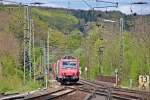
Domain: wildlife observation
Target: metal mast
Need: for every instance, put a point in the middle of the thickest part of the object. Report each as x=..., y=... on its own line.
x=33, y=49
x=100, y=49
x=30, y=45
x=121, y=44
x=45, y=59
x=27, y=42
x=48, y=63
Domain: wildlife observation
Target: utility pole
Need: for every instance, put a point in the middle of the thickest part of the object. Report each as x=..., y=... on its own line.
x=101, y=48
x=26, y=28
x=30, y=44
x=33, y=49
x=47, y=57
x=41, y=56
x=44, y=61
x=121, y=44
x=27, y=42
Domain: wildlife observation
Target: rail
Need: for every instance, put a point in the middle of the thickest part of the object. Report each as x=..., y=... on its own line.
x=96, y=88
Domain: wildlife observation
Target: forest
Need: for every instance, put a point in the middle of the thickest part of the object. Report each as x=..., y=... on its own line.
x=80, y=33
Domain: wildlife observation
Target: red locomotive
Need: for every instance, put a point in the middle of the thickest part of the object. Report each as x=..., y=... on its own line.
x=66, y=70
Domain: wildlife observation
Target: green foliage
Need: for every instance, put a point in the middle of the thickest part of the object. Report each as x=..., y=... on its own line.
x=57, y=42
x=74, y=40
x=11, y=83
x=89, y=54
x=16, y=24
x=2, y=7
x=9, y=66
x=57, y=39
x=111, y=56
x=59, y=19
x=30, y=86
x=66, y=38
x=135, y=53
x=78, y=52
x=11, y=75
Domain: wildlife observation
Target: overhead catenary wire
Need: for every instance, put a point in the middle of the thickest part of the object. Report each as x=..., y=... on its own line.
x=107, y=2
x=105, y=7
x=87, y=4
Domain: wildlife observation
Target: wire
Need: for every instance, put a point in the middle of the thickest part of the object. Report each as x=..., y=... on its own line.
x=84, y=1
x=105, y=7
x=37, y=3
x=139, y=3
x=87, y=4
x=106, y=1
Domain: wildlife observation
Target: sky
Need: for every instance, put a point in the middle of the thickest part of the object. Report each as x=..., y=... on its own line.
x=80, y=4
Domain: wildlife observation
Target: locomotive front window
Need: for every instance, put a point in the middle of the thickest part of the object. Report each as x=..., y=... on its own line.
x=68, y=64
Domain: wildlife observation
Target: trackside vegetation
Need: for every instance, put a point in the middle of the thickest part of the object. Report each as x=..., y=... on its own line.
x=72, y=34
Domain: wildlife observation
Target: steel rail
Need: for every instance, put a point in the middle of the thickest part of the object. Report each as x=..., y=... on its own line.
x=51, y=95
x=14, y=97
x=120, y=93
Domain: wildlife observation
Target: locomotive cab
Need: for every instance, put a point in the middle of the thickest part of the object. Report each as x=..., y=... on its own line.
x=67, y=70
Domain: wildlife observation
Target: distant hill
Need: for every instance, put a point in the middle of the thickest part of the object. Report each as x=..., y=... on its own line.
x=134, y=23
x=77, y=32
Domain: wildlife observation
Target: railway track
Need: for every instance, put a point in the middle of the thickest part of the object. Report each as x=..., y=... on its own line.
x=86, y=89
x=13, y=97
x=51, y=95
x=41, y=95
x=110, y=92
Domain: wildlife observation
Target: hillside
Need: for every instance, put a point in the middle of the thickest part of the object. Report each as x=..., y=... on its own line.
x=11, y=41
x=76, y=32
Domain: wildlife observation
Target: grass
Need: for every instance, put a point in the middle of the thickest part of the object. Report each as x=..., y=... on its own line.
x=11, y=77
x=15, y=84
